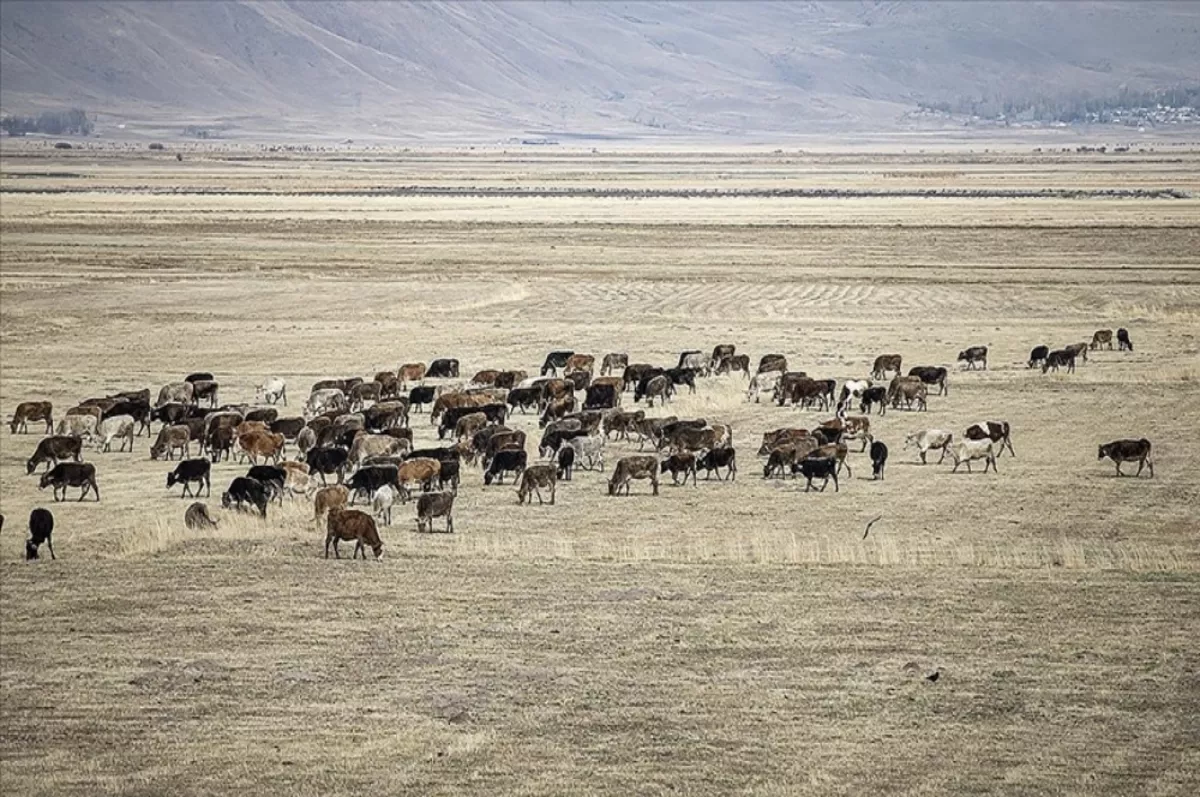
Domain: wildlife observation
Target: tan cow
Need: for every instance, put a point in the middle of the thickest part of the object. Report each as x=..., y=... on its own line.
x=267, y=445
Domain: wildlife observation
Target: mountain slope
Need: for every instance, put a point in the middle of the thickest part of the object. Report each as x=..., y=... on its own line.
x=487, y=68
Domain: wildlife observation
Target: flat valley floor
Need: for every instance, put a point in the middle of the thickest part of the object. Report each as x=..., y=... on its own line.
x=735, y=637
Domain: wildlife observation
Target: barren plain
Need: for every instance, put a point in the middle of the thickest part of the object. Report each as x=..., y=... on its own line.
x=735, y=637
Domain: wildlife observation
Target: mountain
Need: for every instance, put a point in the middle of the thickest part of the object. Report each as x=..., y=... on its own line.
x=485, y=69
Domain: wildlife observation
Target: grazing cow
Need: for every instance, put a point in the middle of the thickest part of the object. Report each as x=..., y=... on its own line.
x=469, y=424
x=77, y=426
x=872, y=396
x=435, y=505
x=118, y=427
x=272, y=390
x=172, y=439
x=327, y=498
x=443, y=368
x=244, y=490
x=196, y=517
x=1128, y=451
x=780, y=437
x=366, y=481
x=879, y=455
x=772, y=362
x=261, y=444
x=932, y=375
x=510, y=379
x=633, y=375
x=910, y=390
x=767, y=382
x=412, y=372
x=1123, y=341
x=659, y=387
x=422, y=395
x=684, y=438
x=801, y=390
x=1103, y=337
x=372, y=445
x=612, y=361
x=508, y=461
x=1038, y=355
x=533, y=479
x=327, y=459
x=566, y=462
x=52, y=450
x=177, y=392
x=556, y=360
x=825, y=468
x=1079, y=350
x=306, y=440
x=41, y=526
x=1059, y=358
x=996, y=431
x=191, y=470
x=970, y=450
x=386, y=415
x=580, y=362
x=720, y=355
x=975, y=355
x=786, y=456
x=682, y=376
x=389, y=384
x=32, y=411
x=382, y=502
x=352, y=524
x=71, y=474
x=360, y=394
x=717, y=458
x=484, y=378
x=524, y=398
x=589, y=451
x=738, y=362
x=929, y=440
x=266, y=415
x=680, y=463
x=601, y=397
x=622, y=423
x=630, y=468
x=326, y=400
x=885, y=363
x=695, y=360
x=205, y=389
x=421, y=471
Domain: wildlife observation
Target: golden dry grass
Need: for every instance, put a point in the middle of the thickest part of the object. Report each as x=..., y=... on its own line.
x=736, y=637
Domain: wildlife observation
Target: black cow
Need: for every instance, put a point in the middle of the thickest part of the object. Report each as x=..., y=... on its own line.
x=41, y=524
x=973, y=356
x=677, y=464
x=1129, y=451
x=138, y=409
x=818, y=468
x=634, y=374
x=327, y=459
x=879, y=455
x=552, y=439
x=872, y=396
x=366, y=481
x=267, y=415
x=1038, y=356
x=199, y=376
x=448, y=475
x=566, y=463
x=600, y=397
x=1058, y=359
x=244, y=490
x=932, y=375
x=683, y=376
x=191, y=470
x=71, y=474
x=716, y=459
x=507, y=461
x=288, y=427
x=421, y=395
x=440, y=453
x=271, y=476
x=526, y=397
x=556, y=360
x=1123, y=341
x=443, y=368
x=173, y=413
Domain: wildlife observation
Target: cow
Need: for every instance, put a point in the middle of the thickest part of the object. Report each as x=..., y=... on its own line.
x=484, y=378
x=71, y=474
x=191, y=470
x=910, y=390
x=533, y=479
x=267, y=415
x=244, y=490
x=879, y=455
x=1079, y=350
x=633, y=467
x=220, y=441
x=270, y=476
x=738, y=362
x=695, y=360
x=382, y=502
x=414, y=372
x=772, y=362
x=780, y=437
x=118, y=427
x=52, y=450
x=352, y=524
x=589, y=451
x=1037, y=356
x=448, y=474
x=566, y=463
x=435, y=505
x=680, y=463
x=199, y=376
x=556, y=360
x=328, y=498
x=1102, y=337
x=524, y=397
x=1123, y=341
x=689, y=439
x=172, y=439
x=682, y=376
x=612, y=361
x=261, y=444
x=77, y=426
x=306, y=440
x=41, y=527
x=853, y=389
x=327, y=459
x=178, y=392
x=800, y=390
x=205, y=389
x=389, y=384
x=449, y=401
x=970, y=450
x=877, y=394
x=360, y=394
x=634, y=374
x=885, y=363
x=835, y=451
x=973, y=356
x=717, y=458
x=720, y=355
x=601, y=397
x=1059, y=358
x=32, y=411
x=825, y=468
x=272, y=390
x=366, y=481
x=422, y=395
x=326, y=400
x=467, y=425
x=928, y=440
x=93, y=411
x=857, y=427
x=620, y=422
x=386, y=415
x=766, y=382
x=659, y=387
x=932, y=375
x=372, y=445
x=420, y=470
x=580, y=362
x=508, y=461
x=786, y=456
x=1128, y=451
x=996, y=431
x=196, y=517
x=510, y=379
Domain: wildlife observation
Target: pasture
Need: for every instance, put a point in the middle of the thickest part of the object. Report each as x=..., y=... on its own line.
x=735, y=637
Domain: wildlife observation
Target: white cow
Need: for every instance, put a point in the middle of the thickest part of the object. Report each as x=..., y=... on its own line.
x=180, y=392
x=117, y=427
x=589, y=451
x=77, y=426
x=382, y=502
x=272, y=390
x=968, y=450
x=765, y=382
x=376, y=445
x=928, y=440
x=326, y=400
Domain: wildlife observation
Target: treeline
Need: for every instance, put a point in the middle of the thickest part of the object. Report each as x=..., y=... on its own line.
x=54, y=123
x=1074, y=107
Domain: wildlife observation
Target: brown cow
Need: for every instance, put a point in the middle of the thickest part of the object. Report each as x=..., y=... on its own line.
x=780, y=437
x=612, y=362
x=261, y=444
x=435, y=505
x=352, y=524
x=327, y=498
x=486, y=377
x=418, y=470
x=53, y=450
x=885, y=363
x=580, y=362
x=772, y=362
x=535, y=477
x=170, y=439
x=32, y=411
x=510, y=379
x=411, y=372
x=448, y=400
x=1103, y=337
x=389, y=385
x=630, y=468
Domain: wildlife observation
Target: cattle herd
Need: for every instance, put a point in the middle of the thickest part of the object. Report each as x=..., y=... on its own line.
x=359, y=433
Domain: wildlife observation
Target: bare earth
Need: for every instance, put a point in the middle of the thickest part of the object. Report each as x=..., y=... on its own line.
x=732, y=638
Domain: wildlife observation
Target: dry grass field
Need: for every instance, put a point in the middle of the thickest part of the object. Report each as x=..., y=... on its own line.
x=730, y=638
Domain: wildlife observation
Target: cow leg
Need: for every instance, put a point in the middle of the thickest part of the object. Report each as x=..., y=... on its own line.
x=186, y=491
x=207, y=487
x=1141, y=462
x=336, y=554
x=845, y=462
x=1118, y=467
x=835, y=482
